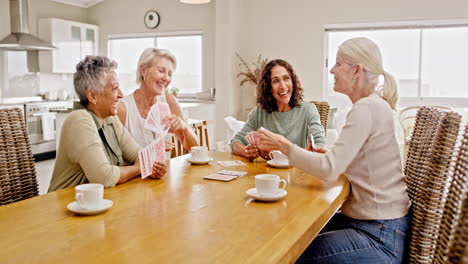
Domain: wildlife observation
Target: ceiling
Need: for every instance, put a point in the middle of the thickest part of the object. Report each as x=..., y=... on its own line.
x=79, y=3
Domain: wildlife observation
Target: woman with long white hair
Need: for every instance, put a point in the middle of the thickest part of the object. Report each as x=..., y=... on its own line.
x=373, y=222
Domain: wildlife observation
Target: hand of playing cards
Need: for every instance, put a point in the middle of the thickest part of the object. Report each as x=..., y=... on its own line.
x=147, y=156
x=253, y=137
x=155, y=119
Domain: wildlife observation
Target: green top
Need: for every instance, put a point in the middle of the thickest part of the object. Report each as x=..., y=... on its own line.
x=91, y=151
x=296, y=125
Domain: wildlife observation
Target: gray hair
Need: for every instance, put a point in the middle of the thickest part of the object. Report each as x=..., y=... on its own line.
x=147, y=57
x=91, y=75
x=365, y=52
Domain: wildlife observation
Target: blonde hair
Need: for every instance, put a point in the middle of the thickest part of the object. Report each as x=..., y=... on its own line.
x=365, y=52
x=147, y=57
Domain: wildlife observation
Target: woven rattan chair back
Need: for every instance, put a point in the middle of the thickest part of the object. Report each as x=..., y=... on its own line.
x=452, y=245
x=421, y=149
x=17, y=169
x=428, y=184
x=323, y=108
x=407, y=117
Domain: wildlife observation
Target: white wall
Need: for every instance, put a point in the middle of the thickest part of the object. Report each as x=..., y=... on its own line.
x=228, y=92
x=126, y=17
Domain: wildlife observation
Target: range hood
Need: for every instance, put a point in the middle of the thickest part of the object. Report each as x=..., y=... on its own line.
x=20, y=39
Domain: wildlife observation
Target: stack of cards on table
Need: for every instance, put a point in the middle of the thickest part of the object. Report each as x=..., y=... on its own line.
x=228, y=163
x=147, y=156
x=252, y=137
x=154, y=121
x=225, y=175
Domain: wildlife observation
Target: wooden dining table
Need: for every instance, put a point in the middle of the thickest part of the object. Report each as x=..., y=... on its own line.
x=181, y=218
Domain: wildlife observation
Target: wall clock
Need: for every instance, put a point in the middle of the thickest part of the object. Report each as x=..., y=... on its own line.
x=152, y=19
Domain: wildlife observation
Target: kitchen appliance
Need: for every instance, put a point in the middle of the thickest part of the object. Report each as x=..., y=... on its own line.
x=36, y=114
x=19, y=38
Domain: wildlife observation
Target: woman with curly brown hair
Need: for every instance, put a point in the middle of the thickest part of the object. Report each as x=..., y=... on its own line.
x=280, y=109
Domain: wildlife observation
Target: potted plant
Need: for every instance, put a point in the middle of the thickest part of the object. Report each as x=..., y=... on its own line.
x=251, y=74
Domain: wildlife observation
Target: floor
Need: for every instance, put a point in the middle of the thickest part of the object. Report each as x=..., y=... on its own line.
x=44, y=174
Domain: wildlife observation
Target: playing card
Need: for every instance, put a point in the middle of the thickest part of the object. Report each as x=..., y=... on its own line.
x=219, y=177
x=148, y=155
x=232, y=173
x=249, y=139
x=151, y=122
x=312, y=141
x=255, y=137
x=164, y=111
x=231, y=163
x=156, y=116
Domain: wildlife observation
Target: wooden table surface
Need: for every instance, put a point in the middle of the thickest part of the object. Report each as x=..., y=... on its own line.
x=181, y=218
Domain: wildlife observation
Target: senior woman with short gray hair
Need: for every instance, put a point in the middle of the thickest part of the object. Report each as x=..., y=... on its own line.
x=94, y=145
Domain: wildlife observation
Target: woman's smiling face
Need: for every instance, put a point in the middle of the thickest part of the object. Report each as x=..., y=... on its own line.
x=281, y=85
x=108, y=100
x=159, y=75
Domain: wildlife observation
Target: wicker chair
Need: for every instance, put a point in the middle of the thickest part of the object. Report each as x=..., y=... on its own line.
x=17, y=169
x=452, y=245
x=428, y=175
x=407, y=117
x=323, y=108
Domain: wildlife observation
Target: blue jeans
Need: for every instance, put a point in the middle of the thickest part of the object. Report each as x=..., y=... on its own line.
x=347, y=240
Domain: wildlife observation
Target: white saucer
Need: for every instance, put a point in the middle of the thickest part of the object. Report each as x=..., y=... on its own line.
x=77, y=209
x=199, y=162
x=253, y=192
x=277, y=164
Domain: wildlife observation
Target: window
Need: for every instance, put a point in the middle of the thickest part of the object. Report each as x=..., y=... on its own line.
x=187, y=48
x=428, y=60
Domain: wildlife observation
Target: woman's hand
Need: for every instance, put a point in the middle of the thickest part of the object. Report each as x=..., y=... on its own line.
x=270, y=141
x=159, y=170
x=168, y=146
x=316, y=149
x=264, y=154
x=174, y=124
x=251, y=152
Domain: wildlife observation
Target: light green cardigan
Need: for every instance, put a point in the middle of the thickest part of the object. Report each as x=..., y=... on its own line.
x=296, y=125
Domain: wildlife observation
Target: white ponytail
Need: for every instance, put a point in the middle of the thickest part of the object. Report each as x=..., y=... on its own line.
x=389, y=91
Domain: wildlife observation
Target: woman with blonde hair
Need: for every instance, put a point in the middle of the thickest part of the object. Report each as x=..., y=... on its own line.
x=373, y=222
x=154, y=74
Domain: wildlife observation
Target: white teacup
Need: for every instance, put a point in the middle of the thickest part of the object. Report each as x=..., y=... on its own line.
x=269, y=184
x=89, y=195
x=278, y=157
x=199, y=153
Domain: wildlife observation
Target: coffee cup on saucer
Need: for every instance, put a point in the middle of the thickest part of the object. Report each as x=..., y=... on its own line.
x=269, y=184
x=89, y=196
x=199, y=153
x=278, y=157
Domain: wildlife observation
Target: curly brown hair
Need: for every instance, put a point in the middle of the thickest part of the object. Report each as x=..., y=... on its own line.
x=264, y=90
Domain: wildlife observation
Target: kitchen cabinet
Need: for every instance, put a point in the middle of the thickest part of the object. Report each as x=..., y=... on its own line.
x=73, y=40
